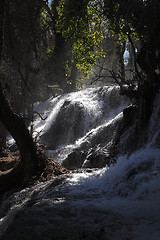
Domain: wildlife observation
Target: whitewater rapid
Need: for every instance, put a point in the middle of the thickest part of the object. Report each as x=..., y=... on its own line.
x=116, y=202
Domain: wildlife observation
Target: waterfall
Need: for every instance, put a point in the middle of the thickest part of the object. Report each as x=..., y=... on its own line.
x=79, y=120
x=71, y=116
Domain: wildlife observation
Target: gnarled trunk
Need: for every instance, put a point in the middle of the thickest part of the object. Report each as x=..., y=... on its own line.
x=29, y=158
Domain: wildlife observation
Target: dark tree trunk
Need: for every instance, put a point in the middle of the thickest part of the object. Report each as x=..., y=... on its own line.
x=149, y=85
x=2, y=10
x=3, y=135
x=62, y=54
x=120, y=53
x=30, y=164
x=59, y=61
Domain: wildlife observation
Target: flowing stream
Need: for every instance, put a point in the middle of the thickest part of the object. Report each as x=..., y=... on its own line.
x=116, y=202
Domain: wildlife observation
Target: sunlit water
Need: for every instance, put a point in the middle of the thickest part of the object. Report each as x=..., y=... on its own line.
x=120, y=202
x=62, y=131
x=72, y=116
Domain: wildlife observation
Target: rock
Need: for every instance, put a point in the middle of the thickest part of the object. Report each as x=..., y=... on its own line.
x=94, y=151
x=129, y=115
x=97, y=158
x=68, y=126
x=74, y=160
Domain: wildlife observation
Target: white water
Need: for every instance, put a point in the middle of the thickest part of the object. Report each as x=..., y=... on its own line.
x=63, y=131
x=120, y=202
x=72, y=116
x=62, y=152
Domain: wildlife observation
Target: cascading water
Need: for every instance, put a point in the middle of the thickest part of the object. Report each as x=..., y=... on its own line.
x=79, y=120
x=71, y=116
x=116, y=202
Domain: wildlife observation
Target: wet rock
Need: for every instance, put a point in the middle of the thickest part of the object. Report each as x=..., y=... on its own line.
x=68, y=126
x=74, y=160
x=129, y=115
x=97, y=158
x=96, y=149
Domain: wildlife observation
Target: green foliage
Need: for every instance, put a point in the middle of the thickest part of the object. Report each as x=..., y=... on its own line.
x=68, y=71
x=80, y=83
x=50, y=52
x=121, y=18
x=80, y=23
x=138, y=20
x=43, y=18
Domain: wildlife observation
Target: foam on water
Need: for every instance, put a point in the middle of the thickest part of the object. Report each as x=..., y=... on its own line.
x=136, y=177
x=124, y=197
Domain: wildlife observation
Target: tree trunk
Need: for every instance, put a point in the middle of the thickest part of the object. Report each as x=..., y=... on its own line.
x=150, y=85
x=16, y=126
x=120, y=52
x=3, y=135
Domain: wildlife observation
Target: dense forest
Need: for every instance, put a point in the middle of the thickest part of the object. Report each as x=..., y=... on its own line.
x=52, y=48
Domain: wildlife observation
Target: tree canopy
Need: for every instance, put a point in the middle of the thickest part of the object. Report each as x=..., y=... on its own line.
x=80, y=22
x=138, y=20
